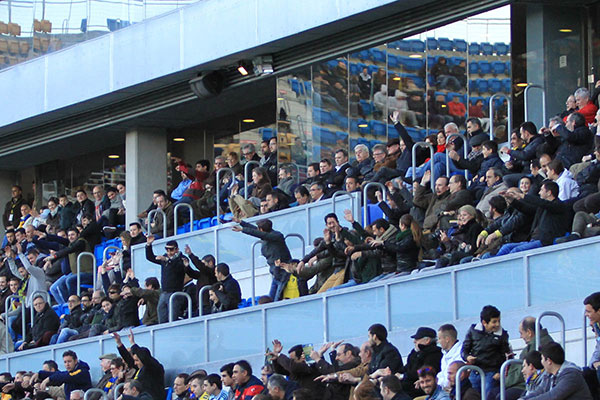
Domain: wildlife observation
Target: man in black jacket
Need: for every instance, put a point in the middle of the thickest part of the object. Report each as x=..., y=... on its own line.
x=84, y=206
x=425, y=353
x=229, y=292
x=150, y=372
x=343, y=358
x=204, y=273
x=385, y=354
x=45, y=324
x=172, y=271
x=12, y=209
x=71, y=322
x=552, y=217
x=273, y=247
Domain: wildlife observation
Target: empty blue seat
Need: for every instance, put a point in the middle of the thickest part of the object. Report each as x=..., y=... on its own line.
x=482, y=85
x=354, y=69
x=474, y=48
x=377, y=55
x=460, y=45
x=495, y=85
x=363, y=141
x=354, y=125
x=342, y=121
x=431, y=43
x=501, y=48
x=455, y=60
x=508, y=68
x=363, y=126
x=445, y=44
x=297, y=87
x=473, y=67
x=484, y=67
x=377, y=128
x=418, y=80
x=473, y=85
x=331, y=64
x=411, y=64
x=363, y=54
x=451, y=95
x=417, y=45
x=373, y=213
x=414, y=133
x=267, y=133
x=308, y=87
x=322, y=116
x=353, y=143
x=487, y=49
x=392, y=61
x=372, y=69
x=498, y=67
x=366, y=107
x=404, y=45
x=392, y=132
x=341, y=136
x=373, y=143
x=506, y=85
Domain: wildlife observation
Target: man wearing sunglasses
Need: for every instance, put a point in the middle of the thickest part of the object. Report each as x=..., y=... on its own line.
x=172, y=274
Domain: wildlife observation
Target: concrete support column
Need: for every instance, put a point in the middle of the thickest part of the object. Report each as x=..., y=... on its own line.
x=146, y=167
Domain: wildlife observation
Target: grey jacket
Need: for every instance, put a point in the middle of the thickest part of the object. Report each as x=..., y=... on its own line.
x=567, y=384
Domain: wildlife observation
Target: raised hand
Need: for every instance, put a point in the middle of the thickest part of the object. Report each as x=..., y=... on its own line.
x=348, y=216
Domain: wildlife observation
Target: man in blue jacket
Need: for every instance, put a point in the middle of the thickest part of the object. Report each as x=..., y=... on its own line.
x=76, y=376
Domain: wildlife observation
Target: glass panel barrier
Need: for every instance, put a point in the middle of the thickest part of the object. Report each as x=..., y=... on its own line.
x=408, y=308
x=169, y=349
x=235, y=335
x=296, y=323
x=491, y=283
x=348, y=314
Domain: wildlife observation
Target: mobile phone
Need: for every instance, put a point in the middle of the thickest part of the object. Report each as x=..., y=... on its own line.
x=307, y=349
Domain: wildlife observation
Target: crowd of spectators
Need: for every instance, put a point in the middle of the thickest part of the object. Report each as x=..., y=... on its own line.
x=375, y=369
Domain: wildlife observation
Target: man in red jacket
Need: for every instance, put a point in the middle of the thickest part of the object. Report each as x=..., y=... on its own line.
x=584, y=105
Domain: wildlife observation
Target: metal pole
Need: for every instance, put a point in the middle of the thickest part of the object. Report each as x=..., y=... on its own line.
x=299, y=236
x=538, y=325
x=469, y=368
x=178, y=294
x=116, y=391
x=246, y=169
x=189, y=207
x=79, y=257
x=508, y=116
x=6, y=302
x=503, y=368
x=342, y=193
x=164, y=216
x=526, y=96
x=35, y=294
x=465, y=153
x=218, y=201
x=95, y=390
x=384, y=194
x=254, y=272
x=201, y=298
x=105, y=253
x=414, y=161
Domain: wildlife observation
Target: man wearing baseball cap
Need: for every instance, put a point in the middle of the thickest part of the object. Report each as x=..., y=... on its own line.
x=426, y=352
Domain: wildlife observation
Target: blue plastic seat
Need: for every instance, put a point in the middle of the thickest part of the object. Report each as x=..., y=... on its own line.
x=498, y=67
x=473, y=67
x=341, y=136
x=404, y=45
x=487, y=49
x=372, y=69
x=392, y=61
x=495, y=85
x=373, y=143
x=373, y=213
x=297, y=87
x=363, y=54
x=474, y=48
x=473, y=86
x=501, y=48
x=377, y=128
x=508, y=69
x=366, y=106
x=459, y=45
x=445, y=44
x=431, y=43
x=308, y=87
x=354, y=69
x=377, y=55
x=392, y=132
x=417, y=46
x=482, y=84
x=506, y=85
x=484, y=67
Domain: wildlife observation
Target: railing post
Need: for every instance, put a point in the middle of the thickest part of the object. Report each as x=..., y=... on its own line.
x=201, y=298
x=105, y=252
x=254, y=272
x=465, y=154
x=6, y=303
x=189, y=207
x=116, y=390
x=299, y=236
x=469, y=368
x=246, y=170
x=342, y=193
x=179, y=294
x=35, y=294
x=526, y=99
x=383, y=193
x=414, y=161
x=95, y=390
x=217, y=184
x=164, y=216
x=503, y=368
x=94, y=272
x=538, y=324
x=508, y=116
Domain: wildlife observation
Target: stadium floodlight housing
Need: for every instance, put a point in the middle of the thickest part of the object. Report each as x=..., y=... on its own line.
x=208, y=84
x=263, y=65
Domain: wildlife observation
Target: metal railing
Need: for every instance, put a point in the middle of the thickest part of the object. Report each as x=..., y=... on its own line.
x=189, y=207
x=538, y=327
x=526, y=100
x=23, y=318
x=338, y=194
x=164, y=217
x=91, y=391
x=79, y=257
x=469, y=368
x=116, y=390
x=465, y=154
x=179, y=294
x=35, y=294
x=508, y=112
x=246, y=170
x=201, y=299
x=254, y=271
x=105, y=253
x=503, y=372
x=414, y=161
x=299, y=236
x=584, y=339
x=365, y=208
x=218, y=192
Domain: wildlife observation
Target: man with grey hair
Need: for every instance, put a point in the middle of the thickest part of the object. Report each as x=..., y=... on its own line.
x=280, y=388
x=584, y=105
x=363, y=166
x=574, y=139
x=77, y=395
